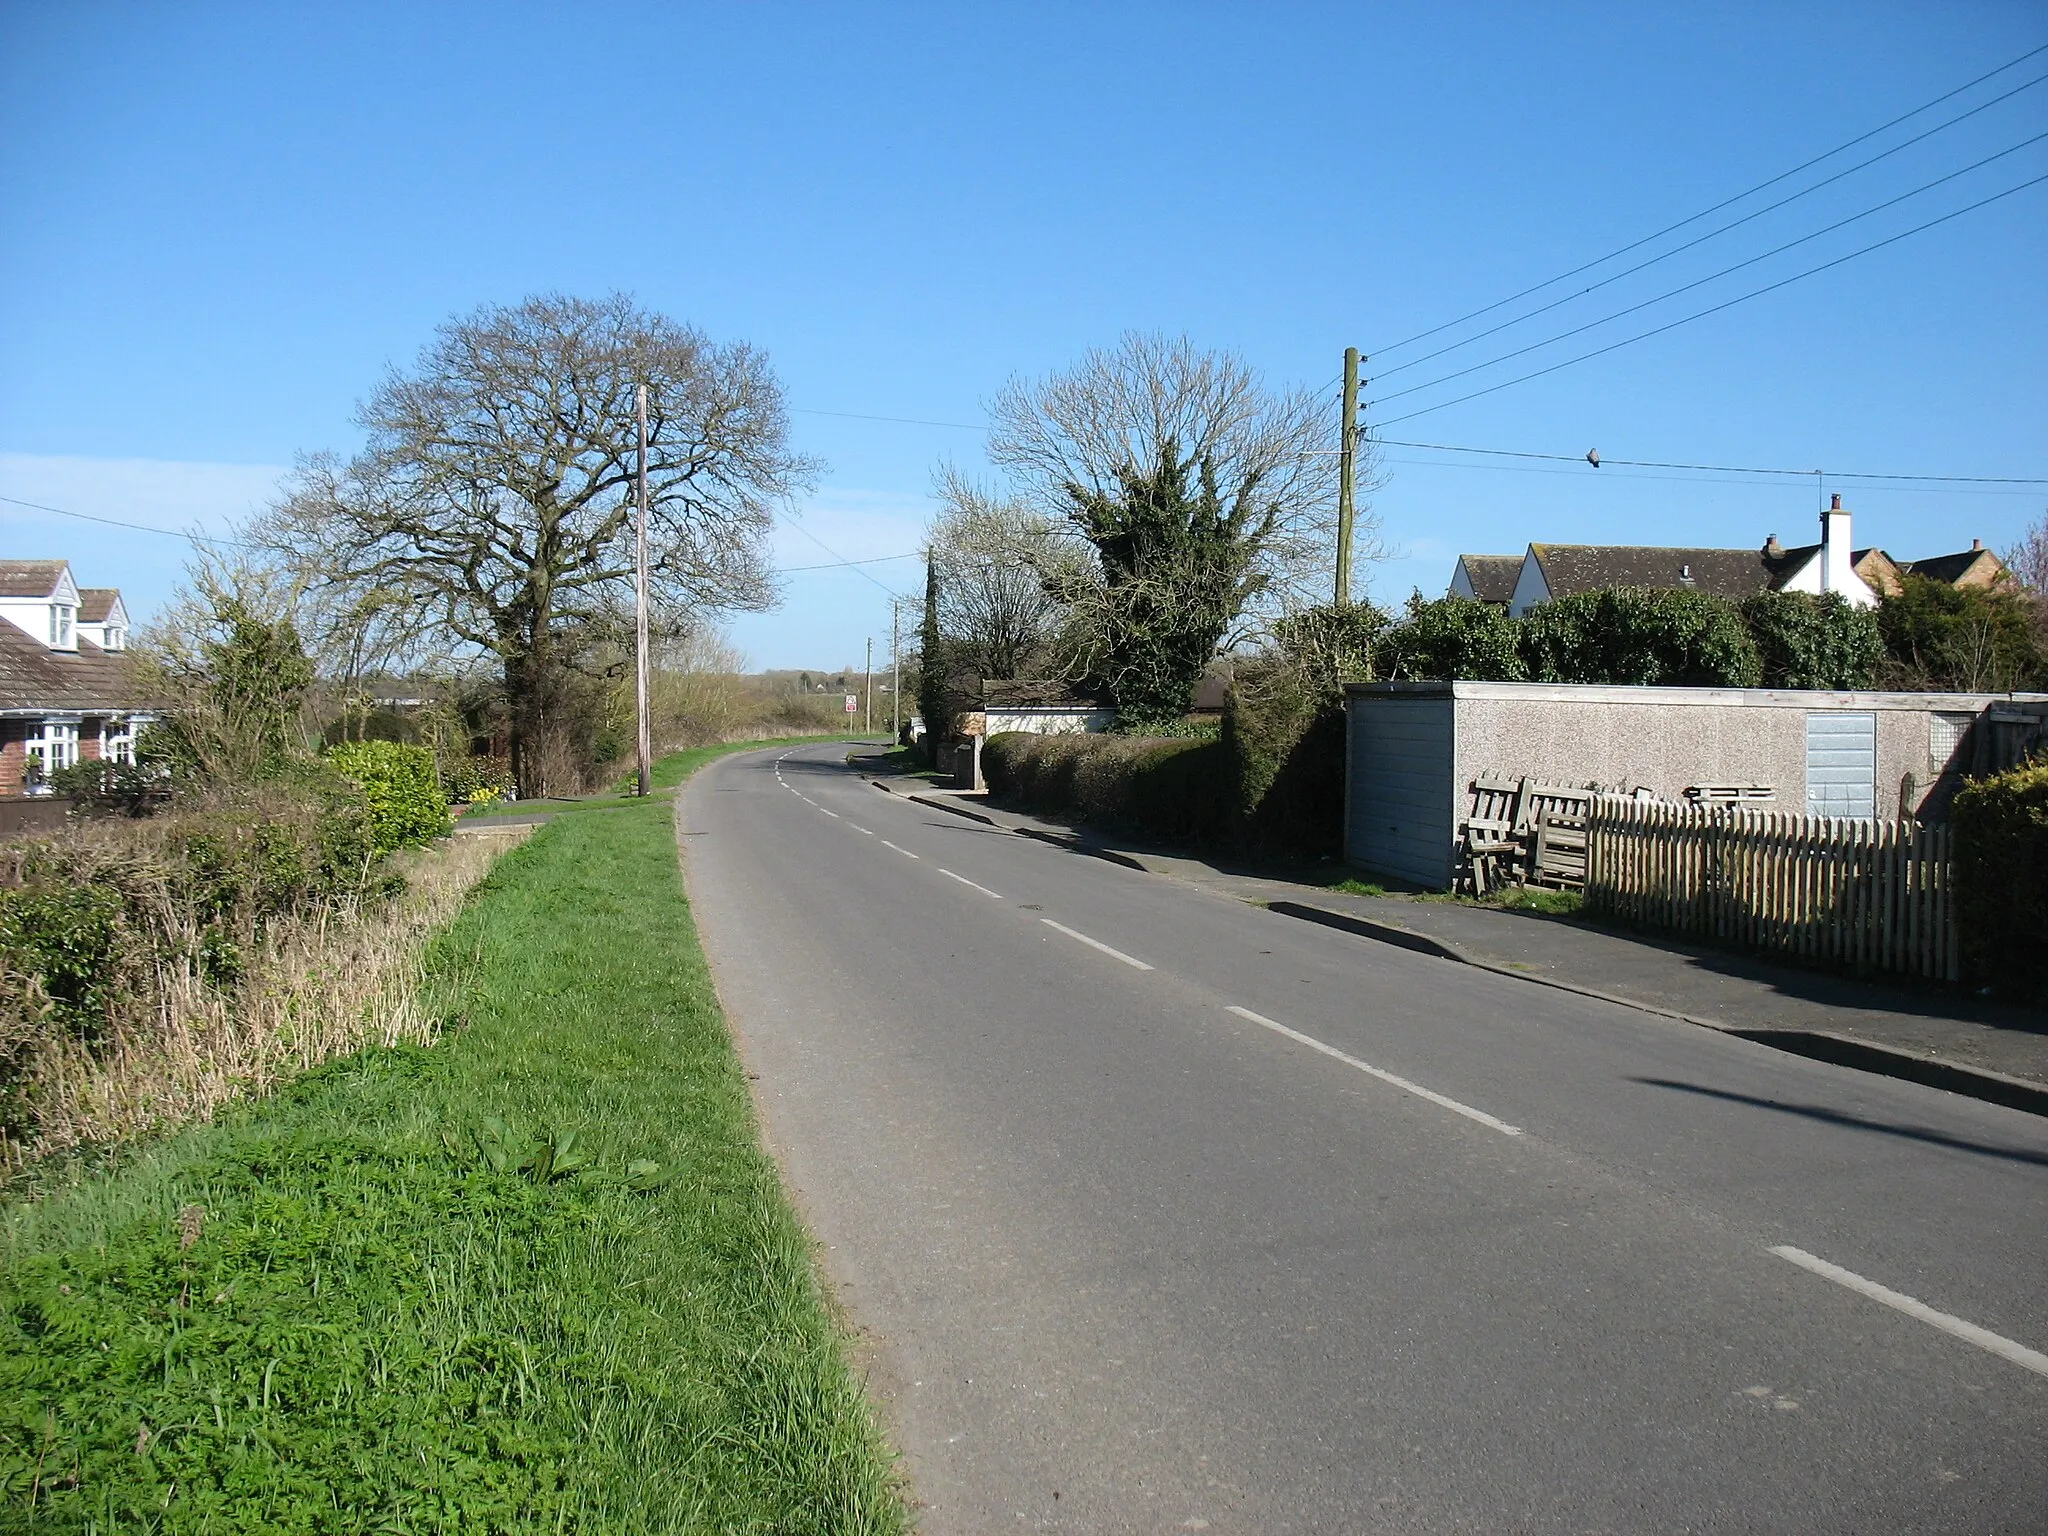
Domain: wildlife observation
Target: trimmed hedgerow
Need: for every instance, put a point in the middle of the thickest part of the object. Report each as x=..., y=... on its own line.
x=1644, y=636
x=2001, y=874
x=1174, y=789
x=401, y=786
x=1813, y=640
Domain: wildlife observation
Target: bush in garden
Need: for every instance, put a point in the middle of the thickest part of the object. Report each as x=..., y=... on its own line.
x=1448, y=638
x=1173, y=789
x=401, y=789
x=2001, y=875
x=1968, y=639
x=1646, y=636
x=1809, y=640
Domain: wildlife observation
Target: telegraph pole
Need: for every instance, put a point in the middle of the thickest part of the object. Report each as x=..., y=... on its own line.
x=1347, y=476
x=895, y=669
x=867, y=689
x=640, y=614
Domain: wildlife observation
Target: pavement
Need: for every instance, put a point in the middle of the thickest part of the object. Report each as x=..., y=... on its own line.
x=1158, y=1210
x=1943, y=1036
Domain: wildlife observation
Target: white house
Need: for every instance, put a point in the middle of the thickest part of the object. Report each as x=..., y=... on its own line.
x=68, y=691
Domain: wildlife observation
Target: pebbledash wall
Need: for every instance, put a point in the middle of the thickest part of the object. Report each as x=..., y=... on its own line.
x=1413, y=750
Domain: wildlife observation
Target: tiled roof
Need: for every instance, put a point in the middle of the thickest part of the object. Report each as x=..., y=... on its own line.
x=30, y=578
x=1953, y=568
x=34, y=677
x=1573, y=568
x=1492, y=576
x=95, y=603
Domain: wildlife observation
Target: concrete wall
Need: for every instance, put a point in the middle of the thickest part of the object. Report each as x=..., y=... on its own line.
x=1415, y=748
x=1048, y=722
x=1668, y=738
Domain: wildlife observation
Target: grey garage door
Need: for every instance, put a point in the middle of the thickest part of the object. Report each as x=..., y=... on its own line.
x=1401, y=798
x=1841, y=764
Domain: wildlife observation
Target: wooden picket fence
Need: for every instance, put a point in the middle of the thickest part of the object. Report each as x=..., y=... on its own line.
x=1876, y=895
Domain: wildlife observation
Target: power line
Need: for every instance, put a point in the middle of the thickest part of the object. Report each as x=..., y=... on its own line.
x=1716, y=208
x=115, y=522
x=1713, y=310
x=1544, y=309
x=833, y=565
x=854, y=565
x=908, y=421
x=1673, y=293
x=1730, y=469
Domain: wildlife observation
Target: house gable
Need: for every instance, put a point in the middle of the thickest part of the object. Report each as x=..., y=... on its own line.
x=1486, y=578
x=39, y=598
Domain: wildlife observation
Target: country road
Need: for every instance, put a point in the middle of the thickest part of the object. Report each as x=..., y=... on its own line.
x=1160, y=1212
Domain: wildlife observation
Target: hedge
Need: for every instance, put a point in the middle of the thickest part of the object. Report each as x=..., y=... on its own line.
x=401, y=787
x=1172, y=789
x=2001, y=875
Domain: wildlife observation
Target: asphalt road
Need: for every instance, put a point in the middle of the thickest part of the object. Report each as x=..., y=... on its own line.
x=1163, y=1213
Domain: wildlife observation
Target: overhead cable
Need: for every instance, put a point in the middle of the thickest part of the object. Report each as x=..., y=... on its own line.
x=1729, y=202
x=1673, y=325
x=1544, y=309
x=1701, y=282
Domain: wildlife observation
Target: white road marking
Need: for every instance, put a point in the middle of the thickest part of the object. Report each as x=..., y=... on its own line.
x=1386, y=1077
x=1115, y=954
x=863, y=831
x=965, y=881
x=1983, y=1338
x=833, y=814
x=904, y=851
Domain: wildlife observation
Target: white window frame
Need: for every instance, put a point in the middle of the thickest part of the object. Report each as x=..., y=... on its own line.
x=117, y=740
x=63, y=626
x=55, y=746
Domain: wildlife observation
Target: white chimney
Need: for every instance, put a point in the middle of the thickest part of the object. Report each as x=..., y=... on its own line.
x=1837, y=557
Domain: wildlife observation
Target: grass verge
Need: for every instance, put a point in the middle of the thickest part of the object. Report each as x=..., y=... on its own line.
x=396, y=1297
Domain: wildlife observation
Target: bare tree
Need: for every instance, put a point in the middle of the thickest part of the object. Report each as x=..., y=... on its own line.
x=493, y=503
x=1207, y=498
x=2028, y=559
x=995, y=562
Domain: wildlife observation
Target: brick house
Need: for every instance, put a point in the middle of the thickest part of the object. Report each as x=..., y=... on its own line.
x=68, y=689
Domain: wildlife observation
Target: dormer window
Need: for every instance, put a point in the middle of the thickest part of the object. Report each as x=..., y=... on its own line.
x=117, y=638
x=61, y=617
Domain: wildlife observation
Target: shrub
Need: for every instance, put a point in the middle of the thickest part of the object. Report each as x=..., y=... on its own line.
x=1451, y=637
x=1171, y=789
x=1283, y=735
x=1808, y=640
x=1331, y=646
x=1965, y=638
x=1643, y=636
x=475, y=780
x=2001, y=874
x=401, y=790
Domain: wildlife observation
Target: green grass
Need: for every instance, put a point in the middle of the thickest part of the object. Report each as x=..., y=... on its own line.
x=376, y=1328
x=1356, y=887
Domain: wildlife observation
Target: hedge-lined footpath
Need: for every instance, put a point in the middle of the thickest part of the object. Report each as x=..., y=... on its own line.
x=377, y=1302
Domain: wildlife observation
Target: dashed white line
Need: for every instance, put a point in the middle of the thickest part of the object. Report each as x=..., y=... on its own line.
x=1371, y=1071
x=833, y=814
x=965, y=881
x=863, y=831
x=1983, y=1338
x=904, y=851
x=1115, y=954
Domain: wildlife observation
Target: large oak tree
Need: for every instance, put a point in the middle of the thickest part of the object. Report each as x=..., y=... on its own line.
x=493, y=500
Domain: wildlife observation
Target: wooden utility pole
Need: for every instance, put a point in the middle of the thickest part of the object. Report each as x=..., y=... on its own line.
x=1347, y=476
x=895, y=669
x=640, y=612
x=867, y=690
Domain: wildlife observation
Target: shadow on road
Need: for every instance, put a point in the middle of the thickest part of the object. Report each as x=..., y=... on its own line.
x=1836, y=1117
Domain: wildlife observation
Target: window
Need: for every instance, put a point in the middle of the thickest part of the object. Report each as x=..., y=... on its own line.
x=56, y=746
x=61, y=615
x=117, y=638
x=117, y=740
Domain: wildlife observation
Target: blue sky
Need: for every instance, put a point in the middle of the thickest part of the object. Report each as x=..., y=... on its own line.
x=222, y=223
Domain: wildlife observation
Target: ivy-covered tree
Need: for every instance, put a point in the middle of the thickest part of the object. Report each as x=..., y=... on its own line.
x=1449, y=638
x=1176, y=569
x=1640, y=635
x=1809, y=640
